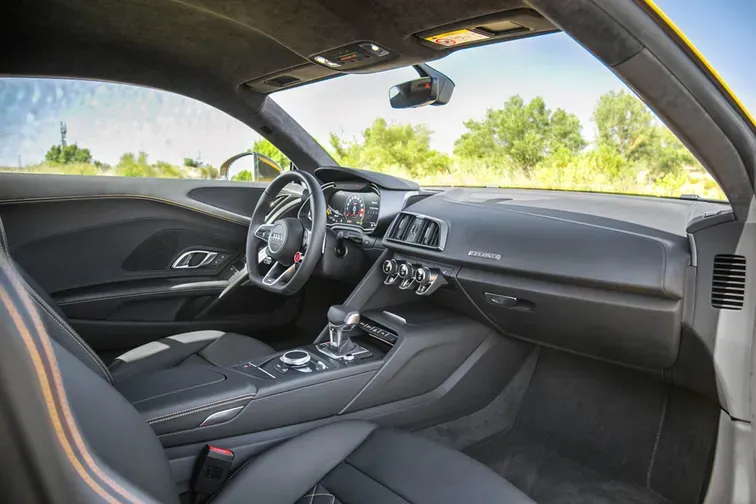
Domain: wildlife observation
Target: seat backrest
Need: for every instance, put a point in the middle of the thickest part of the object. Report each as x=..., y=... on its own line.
x=57, y=326
x=79, y=439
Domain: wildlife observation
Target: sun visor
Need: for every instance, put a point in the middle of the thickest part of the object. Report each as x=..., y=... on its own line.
x=497, y=27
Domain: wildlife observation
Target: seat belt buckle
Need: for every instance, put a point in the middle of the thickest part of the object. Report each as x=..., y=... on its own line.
x=212, y=469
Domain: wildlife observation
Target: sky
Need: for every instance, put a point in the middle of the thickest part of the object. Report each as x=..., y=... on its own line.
x=111, y=119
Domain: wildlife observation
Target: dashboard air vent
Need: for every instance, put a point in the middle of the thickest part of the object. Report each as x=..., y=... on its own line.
x=430, y=234
x=728, y=282
x=419, y=231
x=402, y=226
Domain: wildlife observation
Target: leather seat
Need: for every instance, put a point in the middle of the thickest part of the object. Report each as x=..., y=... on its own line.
x=359, y=462
x=200, y=347
x=82, y=441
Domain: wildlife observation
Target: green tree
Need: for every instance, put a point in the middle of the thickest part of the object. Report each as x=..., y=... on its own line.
x=209, y=172
x=264, y=147
x=390, y=147
x=68, y=154
x=625, y=124
x=244, y=176
x=193, y=163
x=519, y=133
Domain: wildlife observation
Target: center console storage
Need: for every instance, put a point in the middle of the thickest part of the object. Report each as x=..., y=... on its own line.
x=188, y=397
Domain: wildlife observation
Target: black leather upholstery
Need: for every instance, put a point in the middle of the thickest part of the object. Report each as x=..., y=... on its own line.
x=359, y=462
x=97, y=445
x=201, y=347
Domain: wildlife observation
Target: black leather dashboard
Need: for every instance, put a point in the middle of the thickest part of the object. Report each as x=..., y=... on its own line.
x=603, y=275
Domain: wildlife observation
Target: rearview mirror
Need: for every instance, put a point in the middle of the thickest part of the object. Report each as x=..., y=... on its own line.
x=250, y=167
x=432, y=88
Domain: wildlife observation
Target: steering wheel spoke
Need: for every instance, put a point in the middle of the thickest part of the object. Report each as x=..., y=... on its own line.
x=291, y=248
x=263, y=232
x=278, y=273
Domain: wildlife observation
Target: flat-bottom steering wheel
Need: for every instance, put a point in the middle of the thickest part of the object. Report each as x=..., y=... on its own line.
x=295, y=250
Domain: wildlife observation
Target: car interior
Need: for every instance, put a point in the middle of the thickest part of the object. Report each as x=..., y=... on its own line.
x=343, y=335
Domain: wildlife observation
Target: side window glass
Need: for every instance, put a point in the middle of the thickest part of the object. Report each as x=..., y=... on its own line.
x=89, y=128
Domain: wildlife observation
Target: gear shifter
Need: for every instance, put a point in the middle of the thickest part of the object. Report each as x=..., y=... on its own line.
x=341, y=323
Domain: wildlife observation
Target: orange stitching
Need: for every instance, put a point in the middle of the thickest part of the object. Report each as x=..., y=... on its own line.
x=58, y=382
x=49, y=401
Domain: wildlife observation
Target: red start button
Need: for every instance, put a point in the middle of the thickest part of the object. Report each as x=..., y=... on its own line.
x=298, y=257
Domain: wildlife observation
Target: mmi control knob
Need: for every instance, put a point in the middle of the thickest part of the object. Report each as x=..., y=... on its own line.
x=406, y=270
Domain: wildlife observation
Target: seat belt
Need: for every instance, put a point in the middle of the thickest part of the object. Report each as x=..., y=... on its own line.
x=212, y=469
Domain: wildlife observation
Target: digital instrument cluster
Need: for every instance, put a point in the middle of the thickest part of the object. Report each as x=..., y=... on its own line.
x=359, y=208
x=356, y=208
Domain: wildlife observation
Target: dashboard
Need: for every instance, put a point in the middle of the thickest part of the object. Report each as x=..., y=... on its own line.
x=354, y=204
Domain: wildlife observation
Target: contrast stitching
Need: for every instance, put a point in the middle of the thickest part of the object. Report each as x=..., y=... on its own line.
x=57, y=385
x=236, y=218
x=197, y=409
x=40, y=302
x=312, y=496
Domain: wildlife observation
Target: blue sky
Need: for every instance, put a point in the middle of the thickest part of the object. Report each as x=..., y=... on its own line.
x=112, y=119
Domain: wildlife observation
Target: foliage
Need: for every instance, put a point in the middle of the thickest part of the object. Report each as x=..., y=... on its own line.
x=520, y=133
x=244, y=176
x=208, y=172
x=404, y=147
x=519, y=145
x=68, y=154
x=264, y=147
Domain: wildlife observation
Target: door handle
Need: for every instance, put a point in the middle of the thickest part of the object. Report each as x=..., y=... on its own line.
x=194, y=259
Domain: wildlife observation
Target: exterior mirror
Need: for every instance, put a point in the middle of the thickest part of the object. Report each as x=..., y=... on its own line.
x=250, y=167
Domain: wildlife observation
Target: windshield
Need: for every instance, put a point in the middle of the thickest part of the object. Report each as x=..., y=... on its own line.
x=533, y=113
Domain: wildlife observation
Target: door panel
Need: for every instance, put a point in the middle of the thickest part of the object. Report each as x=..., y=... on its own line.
x=103, y=248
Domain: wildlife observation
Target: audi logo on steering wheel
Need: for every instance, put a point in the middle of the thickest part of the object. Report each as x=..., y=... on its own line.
x=276, y=237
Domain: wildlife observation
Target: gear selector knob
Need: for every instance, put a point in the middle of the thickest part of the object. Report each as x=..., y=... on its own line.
x=340, y=315
x=341, y=320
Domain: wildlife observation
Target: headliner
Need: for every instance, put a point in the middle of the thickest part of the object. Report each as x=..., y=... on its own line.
x=231, y=42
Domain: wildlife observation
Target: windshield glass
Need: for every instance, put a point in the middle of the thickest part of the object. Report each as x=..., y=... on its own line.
x=534, y=113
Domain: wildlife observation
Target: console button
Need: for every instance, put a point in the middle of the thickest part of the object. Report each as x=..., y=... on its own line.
x=423, y=275
x=405, y=271
x=389, y=267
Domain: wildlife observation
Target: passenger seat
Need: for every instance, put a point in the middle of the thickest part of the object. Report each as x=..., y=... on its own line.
x=78, y=440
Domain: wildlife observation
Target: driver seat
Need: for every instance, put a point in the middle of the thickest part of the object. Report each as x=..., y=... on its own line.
x=199, y=347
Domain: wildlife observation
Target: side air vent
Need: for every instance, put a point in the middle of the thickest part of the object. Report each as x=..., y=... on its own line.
x=418, y=230
x=728, y=282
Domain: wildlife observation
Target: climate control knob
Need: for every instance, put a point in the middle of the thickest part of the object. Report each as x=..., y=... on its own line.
x=406, y=270
x=423, y=275
x=389, y=267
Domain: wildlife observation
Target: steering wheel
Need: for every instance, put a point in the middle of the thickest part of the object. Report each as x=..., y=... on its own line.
x=295, y=250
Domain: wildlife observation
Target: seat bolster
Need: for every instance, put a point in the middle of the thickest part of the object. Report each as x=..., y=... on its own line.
x=287, y=472
x=163, y=354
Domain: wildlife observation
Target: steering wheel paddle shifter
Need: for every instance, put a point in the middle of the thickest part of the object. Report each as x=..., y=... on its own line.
x=342, y=323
